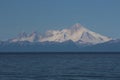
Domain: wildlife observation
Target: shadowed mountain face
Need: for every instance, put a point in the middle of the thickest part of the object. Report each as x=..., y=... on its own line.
x=38, y=47
x=75, y=39
x=111, y=46
x=68, y=46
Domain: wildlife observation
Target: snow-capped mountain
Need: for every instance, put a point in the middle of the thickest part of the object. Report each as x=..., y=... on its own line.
x=77, y=33
x=33, y=37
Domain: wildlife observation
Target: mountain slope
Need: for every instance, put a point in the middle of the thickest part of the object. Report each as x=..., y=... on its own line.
x=38, y=47
x=33, y=37
x=68, y=46
x=77, y=33
x=110, y=46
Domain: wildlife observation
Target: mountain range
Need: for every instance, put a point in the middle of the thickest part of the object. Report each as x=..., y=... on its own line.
x=76, y=38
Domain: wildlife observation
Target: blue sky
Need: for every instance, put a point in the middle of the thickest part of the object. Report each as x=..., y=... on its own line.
x=16, y=16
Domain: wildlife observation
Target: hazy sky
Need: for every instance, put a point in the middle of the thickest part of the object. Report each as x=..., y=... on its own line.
x=16, y=16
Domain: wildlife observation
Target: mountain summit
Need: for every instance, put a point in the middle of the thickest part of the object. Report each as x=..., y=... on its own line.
x=77, y=33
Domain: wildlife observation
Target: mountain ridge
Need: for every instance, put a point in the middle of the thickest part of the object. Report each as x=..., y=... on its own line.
x=68, y=46
x=74, y=39
x=76, y=33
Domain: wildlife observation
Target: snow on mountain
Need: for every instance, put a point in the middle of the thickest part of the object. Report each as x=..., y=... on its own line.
x=33, y=37
x=77, y=33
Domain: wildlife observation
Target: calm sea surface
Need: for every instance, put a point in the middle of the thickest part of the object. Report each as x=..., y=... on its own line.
x=60, y=66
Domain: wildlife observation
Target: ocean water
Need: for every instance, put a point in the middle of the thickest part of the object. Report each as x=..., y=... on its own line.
x=60, y=66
